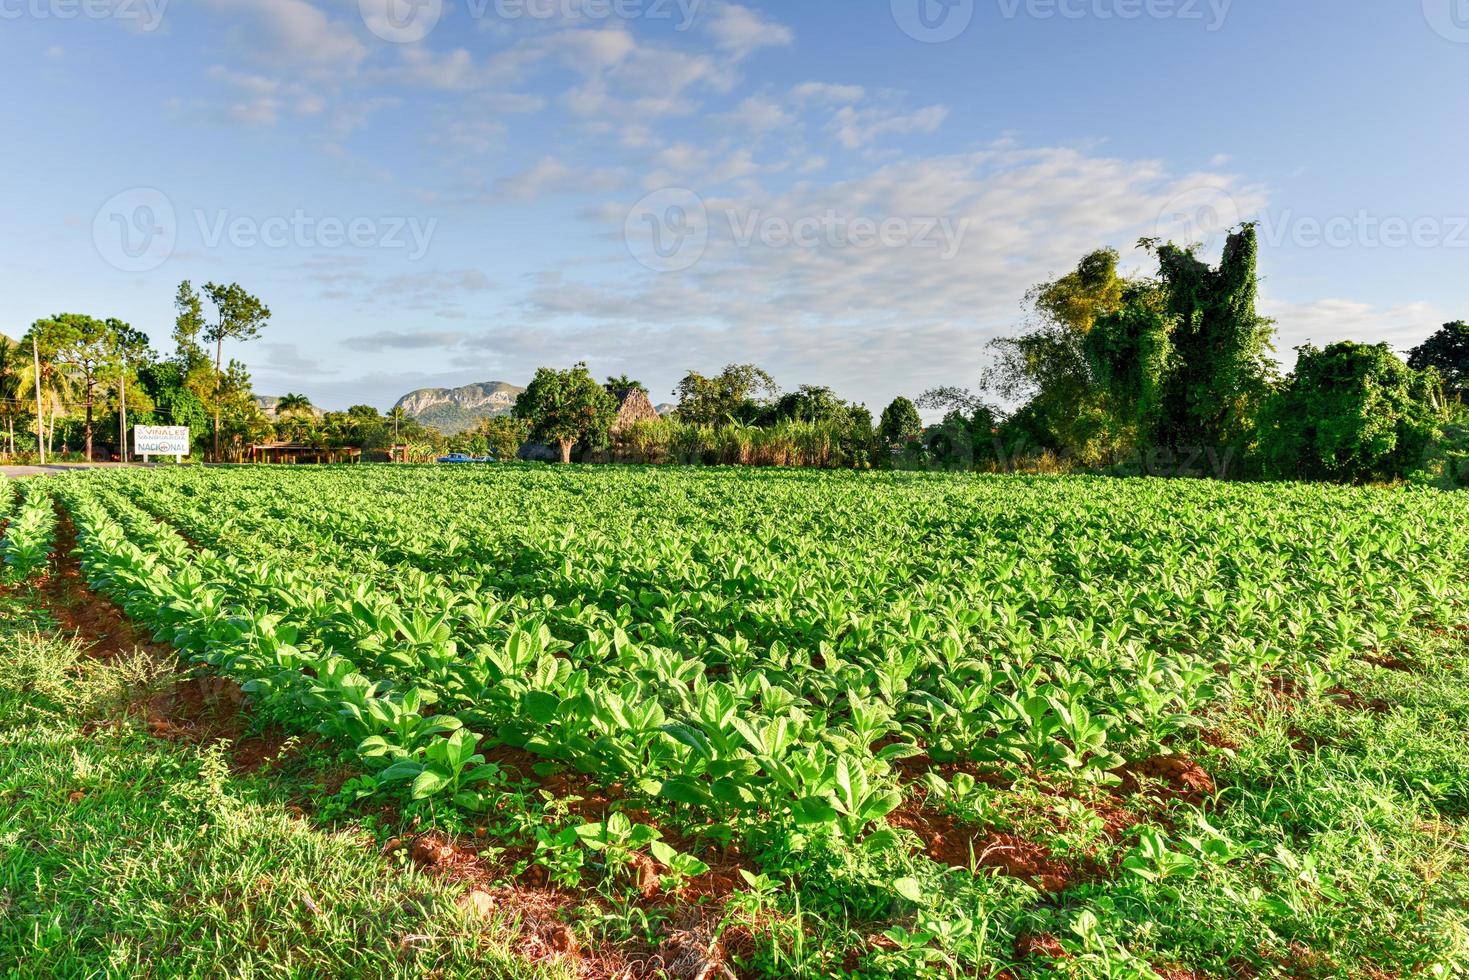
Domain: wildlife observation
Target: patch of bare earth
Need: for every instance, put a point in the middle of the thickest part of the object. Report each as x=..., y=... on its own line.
x=201, y=710
x=692, y=945
x=949, y=842
x=1167, y=778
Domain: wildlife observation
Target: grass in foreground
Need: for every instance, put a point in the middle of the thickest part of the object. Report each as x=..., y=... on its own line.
x=126, y=855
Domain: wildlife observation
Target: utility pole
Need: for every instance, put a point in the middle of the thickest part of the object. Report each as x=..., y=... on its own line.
x=122, y=411
x=40, y=419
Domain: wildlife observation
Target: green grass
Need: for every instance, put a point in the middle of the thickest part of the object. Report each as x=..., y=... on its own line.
x=124, y=855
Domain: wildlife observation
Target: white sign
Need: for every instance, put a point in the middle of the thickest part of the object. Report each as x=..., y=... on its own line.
x=161, y=440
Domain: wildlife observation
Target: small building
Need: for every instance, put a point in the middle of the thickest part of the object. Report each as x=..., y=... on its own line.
x=635, y=407
x=291, y=452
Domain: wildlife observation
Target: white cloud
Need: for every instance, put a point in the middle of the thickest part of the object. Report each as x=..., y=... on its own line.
x=1327, y=321
x=856, y=128
x=296, y=34
x=385, y=340
x=870, y=321
x=741, y=31
x=760, y=115
x=824, y=92
x=551, y=175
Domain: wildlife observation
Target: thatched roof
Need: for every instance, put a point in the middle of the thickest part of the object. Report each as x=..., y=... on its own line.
x=635, y=407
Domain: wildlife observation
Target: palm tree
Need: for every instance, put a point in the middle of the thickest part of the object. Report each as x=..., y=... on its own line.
x=56, y=390
x=10, y=390
x=293, y=404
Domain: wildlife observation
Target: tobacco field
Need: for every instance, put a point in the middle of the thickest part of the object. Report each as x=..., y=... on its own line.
x=754, y=722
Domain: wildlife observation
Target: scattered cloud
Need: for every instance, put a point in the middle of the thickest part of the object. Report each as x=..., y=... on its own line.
x=741, y=31
x=386, y=340
x=551, y=175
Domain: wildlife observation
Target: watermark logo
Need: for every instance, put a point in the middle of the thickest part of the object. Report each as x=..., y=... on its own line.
x=668, y=231
x=933, y=21
x=304, y=231
x=136, y=231
x=1200, y=216
x=1211, y=13
x=401, y=21
x=1448, y=18
x=833, y=230
x=682, y=13
x=145, y=15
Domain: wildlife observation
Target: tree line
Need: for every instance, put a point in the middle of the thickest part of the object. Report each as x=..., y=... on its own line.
x=1171, y=373
x=73, y=382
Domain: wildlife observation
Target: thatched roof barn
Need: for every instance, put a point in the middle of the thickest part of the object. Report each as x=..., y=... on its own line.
x=635, y=407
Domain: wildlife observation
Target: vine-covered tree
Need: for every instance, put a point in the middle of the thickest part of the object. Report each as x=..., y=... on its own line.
x=1219, y=370
x=567, y=407
x=1351, y=412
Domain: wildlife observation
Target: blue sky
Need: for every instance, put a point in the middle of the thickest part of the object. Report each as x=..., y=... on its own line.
x=434, y=192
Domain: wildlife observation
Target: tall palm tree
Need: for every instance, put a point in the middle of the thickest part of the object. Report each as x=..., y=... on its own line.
x=293, y=404
x=56, y=392
x=10, y=391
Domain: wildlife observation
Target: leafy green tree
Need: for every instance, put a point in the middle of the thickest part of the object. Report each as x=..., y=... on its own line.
x=89, y=351
x=174, y=401
x=189, y=326
x=810, y=403
x=739, y=394
x=1447, y=351
x=504, y=436
x=1048, y=368
x=969, y=431
x=1350, y=412
x=901, y=423
x=239, y=316
x=567, y=407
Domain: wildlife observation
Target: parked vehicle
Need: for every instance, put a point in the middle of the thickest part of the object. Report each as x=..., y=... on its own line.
x=456, y=458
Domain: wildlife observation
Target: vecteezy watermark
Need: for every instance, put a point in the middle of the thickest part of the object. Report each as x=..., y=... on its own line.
x=682, y=13
x=937, y=21
x=302, y=230
x=136, y=231
x=401, y=21
x=670, y=230
x=1205, y=216
x=146, y=15
x=1448, y=18
x=410, y=21
x=933, y=21
x=831, y=229
x=1363, y=230
x=1211, y=13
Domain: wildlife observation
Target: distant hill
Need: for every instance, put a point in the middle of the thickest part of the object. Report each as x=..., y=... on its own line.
x=453, y=410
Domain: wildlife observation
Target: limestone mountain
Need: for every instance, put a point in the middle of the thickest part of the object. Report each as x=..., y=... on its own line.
x=453, y=410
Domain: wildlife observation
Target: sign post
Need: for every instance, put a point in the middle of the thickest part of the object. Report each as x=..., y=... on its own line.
x=161, y=440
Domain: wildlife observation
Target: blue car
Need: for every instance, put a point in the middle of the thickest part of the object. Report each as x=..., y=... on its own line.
x=455, y=458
